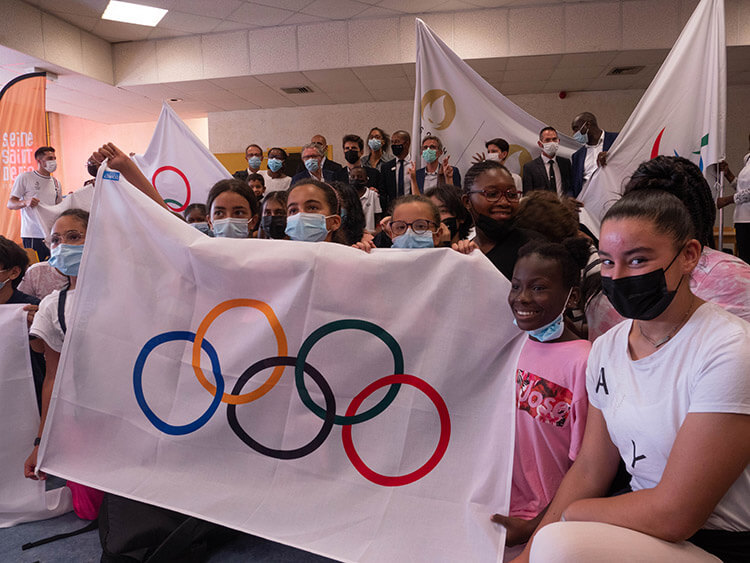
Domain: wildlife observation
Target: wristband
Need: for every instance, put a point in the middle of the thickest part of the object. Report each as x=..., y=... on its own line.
x=37, y=440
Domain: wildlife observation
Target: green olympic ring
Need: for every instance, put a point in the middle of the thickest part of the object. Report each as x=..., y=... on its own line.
x=375, y=330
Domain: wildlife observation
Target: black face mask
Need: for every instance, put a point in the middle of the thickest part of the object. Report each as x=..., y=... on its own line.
x=92, y=169
x=358, y=184
x=452, y=224
x=643, y=297
x=351, y=156
x=273, y=226
x=397, y=149
x=492, y=228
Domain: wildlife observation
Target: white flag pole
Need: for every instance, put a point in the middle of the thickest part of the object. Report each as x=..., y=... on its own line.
x=721, y=212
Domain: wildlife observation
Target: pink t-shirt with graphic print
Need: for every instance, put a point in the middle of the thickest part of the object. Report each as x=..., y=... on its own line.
x=551, y=412
x=718, y=278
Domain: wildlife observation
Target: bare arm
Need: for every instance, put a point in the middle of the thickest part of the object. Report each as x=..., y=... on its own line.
x=15, y=203
x=118, y=160
x=709, y=454
x=590, y=475
x=51, y=359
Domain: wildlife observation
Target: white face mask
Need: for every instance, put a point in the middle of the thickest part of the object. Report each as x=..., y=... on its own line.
x=50, y=166
x=493, y=156
x=550, y=149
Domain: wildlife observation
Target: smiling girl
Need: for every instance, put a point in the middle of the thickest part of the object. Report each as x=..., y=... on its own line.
x=669, y=394
x=550, y=380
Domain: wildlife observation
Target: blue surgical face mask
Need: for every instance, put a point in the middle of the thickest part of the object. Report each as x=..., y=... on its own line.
x=429, y=155
x=231, y=228
x=4, y=283
x=312, y=164
x=254, y=162
x=410, y=239
x=307, y=227
x=582, y=138
x=203, y=227
x=375, y=144
x=66, y=258
x=553, y=330
x=275, y=164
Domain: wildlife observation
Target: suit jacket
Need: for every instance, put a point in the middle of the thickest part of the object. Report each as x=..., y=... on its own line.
x=327, y=176
x=579, y=162
x=422, y=172
x=536, y=175
x=241, y=175
x=389, y=183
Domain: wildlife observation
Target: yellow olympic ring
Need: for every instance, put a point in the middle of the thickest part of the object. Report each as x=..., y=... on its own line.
x=280, y=340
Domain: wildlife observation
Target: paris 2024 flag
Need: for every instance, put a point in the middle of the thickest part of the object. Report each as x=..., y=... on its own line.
x=178, y=164
x=359, y=406
x=683, y=111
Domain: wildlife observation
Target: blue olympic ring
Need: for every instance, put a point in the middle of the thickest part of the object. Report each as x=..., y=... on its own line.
x=165, y=427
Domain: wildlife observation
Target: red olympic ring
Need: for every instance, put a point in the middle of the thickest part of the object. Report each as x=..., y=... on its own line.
x=184, y=179
x=445, y=432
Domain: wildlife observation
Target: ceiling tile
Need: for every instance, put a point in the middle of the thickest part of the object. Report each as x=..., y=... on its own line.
x=332, y=76
x=165, y=33
x=487, y=65
x=334, y=9
x=293, y=5
x=83, y=22
x=392, y=94
x=300, y=18
x=91, y=8
x=117, y=31
x=228, y=25
x=215, y=8
x=377, y=12
x=188, y=22
x=380, y=72
x=284, y=79
x=386, y=83
x=257, y=15
x=645, y=57
x=536, y=61
x=314, y=99
x=529, y=74
x=413, y=6
x=350, y=97
x=573, y=60
x=567, y=85
x=578, y=72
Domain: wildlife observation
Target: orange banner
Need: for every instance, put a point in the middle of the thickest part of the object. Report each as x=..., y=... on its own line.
x=23, y=127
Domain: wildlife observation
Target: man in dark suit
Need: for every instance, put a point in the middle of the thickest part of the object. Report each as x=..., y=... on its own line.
x=593, y=153
x=436, y=173
x=395, y=175
x=254, y=157
x=547, y=171
x=353, y=145
x=312, y=156
x=326, y=164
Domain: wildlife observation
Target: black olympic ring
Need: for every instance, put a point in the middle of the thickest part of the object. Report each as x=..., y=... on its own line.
x=315, y=443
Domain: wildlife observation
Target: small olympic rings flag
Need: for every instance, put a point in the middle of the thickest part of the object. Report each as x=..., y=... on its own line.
x=326, y=413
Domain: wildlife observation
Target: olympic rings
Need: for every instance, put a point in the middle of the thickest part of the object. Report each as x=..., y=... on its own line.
x=184, y=179
x=442, y=446
x=174, y=201
x=398, y=361
x=138, y=383
x=280, y=343
x=301, y=367
x=284, y=454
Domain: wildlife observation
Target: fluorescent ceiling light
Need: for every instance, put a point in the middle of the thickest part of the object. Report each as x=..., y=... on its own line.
x=133, y=13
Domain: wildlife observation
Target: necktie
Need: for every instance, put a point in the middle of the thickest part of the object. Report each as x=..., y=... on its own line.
x=552, y=178
x=400, y=186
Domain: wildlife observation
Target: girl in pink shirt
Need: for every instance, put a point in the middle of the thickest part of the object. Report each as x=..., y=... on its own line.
x=550, y=380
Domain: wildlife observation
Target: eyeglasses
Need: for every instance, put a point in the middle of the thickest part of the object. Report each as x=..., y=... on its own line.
x=495, y=195
x=420, y=226
x=68, y=237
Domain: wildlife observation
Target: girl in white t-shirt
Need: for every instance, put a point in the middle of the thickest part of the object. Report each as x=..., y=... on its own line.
x=669, y=393
x=550, y=380
x=48, y=333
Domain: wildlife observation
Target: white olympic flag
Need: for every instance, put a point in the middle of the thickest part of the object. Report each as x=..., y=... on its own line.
x=683, y=111
x=21, y=499
x=79, y=199
x=296, y=391
x=453, y=102
x=178, y=164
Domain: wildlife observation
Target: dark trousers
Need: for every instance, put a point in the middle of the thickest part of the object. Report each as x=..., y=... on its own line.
x=37, y=244
x=742, y=230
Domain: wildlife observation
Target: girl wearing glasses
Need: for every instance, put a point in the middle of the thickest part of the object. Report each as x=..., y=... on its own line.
x=48, y=332
x=491, y=197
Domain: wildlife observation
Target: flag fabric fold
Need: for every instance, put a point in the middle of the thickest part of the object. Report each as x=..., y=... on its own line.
x=682, y=113
x=79, y=199
x=453, y=102
x=21, y=499
x=292, y=390
x=178, y=164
